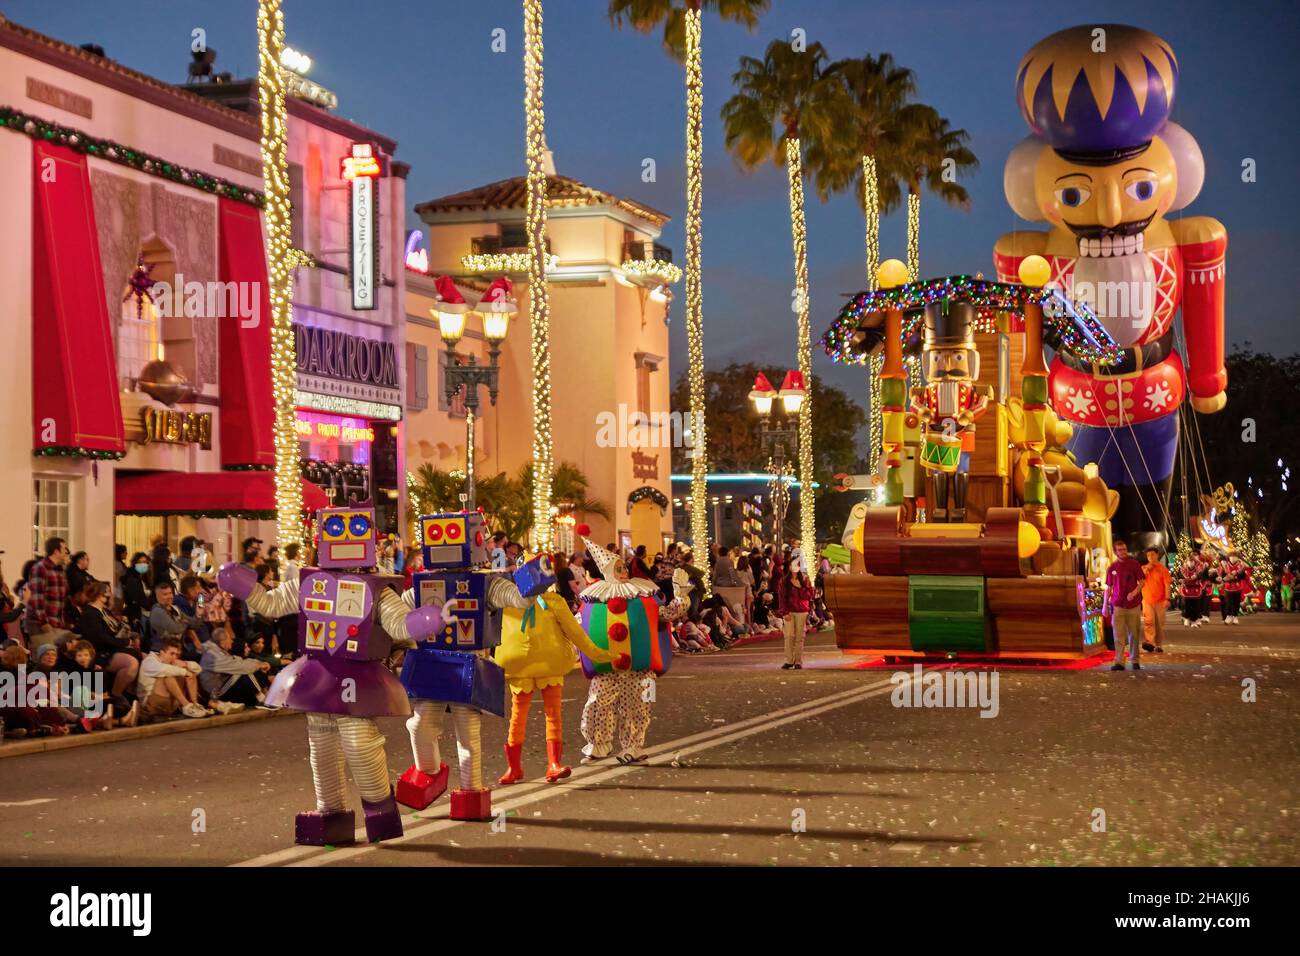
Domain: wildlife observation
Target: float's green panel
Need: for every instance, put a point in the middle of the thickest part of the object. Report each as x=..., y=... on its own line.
x=946, y=613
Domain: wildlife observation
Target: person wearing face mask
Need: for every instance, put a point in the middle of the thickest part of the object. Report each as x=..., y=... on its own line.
x=136, y=589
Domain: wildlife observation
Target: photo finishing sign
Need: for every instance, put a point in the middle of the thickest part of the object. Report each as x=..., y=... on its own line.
x=361, y=170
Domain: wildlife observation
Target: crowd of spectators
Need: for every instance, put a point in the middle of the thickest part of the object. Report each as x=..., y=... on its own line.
x=154, y=639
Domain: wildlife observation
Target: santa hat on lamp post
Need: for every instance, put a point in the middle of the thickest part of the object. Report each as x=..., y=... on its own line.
x=448, y=297
x=499, y=298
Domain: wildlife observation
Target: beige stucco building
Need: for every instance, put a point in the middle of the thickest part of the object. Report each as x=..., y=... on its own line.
x=610, y=297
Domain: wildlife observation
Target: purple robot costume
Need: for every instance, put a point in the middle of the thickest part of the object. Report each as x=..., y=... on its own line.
x=340, y=680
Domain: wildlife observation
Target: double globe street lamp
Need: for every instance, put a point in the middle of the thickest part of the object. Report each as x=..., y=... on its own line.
x=778, y=430
x=496, y=307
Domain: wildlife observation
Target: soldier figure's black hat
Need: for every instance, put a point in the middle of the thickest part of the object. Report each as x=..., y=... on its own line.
x=950, y=324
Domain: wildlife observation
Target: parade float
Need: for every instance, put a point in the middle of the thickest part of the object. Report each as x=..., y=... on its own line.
x=996, y=547
x=987, y=547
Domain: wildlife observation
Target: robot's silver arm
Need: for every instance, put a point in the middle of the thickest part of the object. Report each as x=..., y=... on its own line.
x=275, y=603
x=393, y=609
x=502, y=592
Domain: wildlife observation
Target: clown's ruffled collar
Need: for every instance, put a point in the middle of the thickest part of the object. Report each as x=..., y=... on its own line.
x=600, y=591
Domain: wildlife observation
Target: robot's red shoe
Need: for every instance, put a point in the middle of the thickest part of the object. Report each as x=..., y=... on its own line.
x=334, y=827
x=471, y=804
x=417, y=789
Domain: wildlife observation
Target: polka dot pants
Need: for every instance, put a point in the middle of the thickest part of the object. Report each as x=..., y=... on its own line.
x=618, y=704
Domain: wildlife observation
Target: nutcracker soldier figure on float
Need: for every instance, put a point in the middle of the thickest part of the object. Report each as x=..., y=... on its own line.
x=1103, y=168
x=340, y=680
x=449, y=667
x=948, y=405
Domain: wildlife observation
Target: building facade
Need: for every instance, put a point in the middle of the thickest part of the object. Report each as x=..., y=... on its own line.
x=610, y=296
x=134, y=276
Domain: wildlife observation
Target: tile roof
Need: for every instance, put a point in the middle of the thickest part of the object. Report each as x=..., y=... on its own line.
x=513, y=194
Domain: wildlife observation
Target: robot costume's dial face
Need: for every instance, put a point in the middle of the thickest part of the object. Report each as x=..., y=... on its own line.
x=1116, y=202
x=347, y=538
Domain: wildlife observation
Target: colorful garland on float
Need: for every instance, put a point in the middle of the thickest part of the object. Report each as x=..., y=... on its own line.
x=38, y=128
x=1078, y=329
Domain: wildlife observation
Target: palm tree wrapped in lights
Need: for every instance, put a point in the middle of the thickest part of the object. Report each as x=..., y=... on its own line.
x=879, y=90
x=681, y=22
x=781, y=98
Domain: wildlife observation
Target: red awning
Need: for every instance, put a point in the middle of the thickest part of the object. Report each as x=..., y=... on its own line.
x=244, y=343
x=216, y=494
x=75, y=404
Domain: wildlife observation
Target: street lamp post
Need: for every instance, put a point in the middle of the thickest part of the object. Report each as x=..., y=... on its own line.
x=778, y=432
x=496, y=310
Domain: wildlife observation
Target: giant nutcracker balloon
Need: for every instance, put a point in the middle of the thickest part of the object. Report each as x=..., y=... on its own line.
x=1103, y=168
x=340, y=680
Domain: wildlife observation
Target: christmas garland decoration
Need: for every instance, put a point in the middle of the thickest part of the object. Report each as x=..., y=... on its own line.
x=247, y=467
x=67, y=451
x=38, y=128
x=1079, y=330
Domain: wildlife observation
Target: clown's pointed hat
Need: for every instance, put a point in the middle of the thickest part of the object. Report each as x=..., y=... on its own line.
x=603, y=557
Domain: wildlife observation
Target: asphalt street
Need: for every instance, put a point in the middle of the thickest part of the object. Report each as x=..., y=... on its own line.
x=753, y=765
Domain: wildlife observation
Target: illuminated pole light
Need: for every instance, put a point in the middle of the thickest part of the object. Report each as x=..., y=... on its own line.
x=871, y=209
x=280, y=262
x=538, y=296
x=694, y=294
x=913, y=272
x=803, y=348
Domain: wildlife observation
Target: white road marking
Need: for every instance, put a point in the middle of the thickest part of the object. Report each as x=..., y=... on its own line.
x=537, y=791
x=27, y=803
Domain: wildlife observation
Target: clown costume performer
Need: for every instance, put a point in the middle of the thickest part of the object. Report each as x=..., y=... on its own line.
x=624, y=616
x=1103, y=168
x=340, y=680
x=537, y=649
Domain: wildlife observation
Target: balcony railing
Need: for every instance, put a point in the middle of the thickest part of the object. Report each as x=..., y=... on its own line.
x=646, y=249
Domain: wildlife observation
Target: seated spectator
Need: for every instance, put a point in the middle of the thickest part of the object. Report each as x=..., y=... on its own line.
x=27, y=721
x=166, y=620
x=72, y=686
x=168, y=684
x=213, y=608
x=256, y=651
x=187, y=602
x=115, y=707
x=136, y=597
x=232, y=683
x=117, y=647
x=721, y=621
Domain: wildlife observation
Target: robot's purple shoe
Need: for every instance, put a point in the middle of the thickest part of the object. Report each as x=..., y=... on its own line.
x=333, y=827
x=383, y=822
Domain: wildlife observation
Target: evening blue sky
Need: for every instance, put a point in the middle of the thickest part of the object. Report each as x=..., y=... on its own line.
x=424, y=73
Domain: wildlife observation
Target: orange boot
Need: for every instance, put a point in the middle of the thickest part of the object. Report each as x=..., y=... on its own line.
x=556, y=771
x=516, y=771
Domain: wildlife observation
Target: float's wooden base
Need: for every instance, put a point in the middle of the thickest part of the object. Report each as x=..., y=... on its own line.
x=1034, y=618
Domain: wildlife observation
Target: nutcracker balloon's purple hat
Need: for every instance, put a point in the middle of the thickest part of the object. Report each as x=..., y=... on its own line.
x=1097, y=94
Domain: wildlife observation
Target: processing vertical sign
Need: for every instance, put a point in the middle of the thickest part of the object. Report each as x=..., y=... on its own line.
x=361, y=170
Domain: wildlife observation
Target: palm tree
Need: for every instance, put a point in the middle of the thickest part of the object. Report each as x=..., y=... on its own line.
x=681, y=22
x=931, y=154
x=539, y=312
x=280, y=262
x=781, y=98
x=879, y=89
